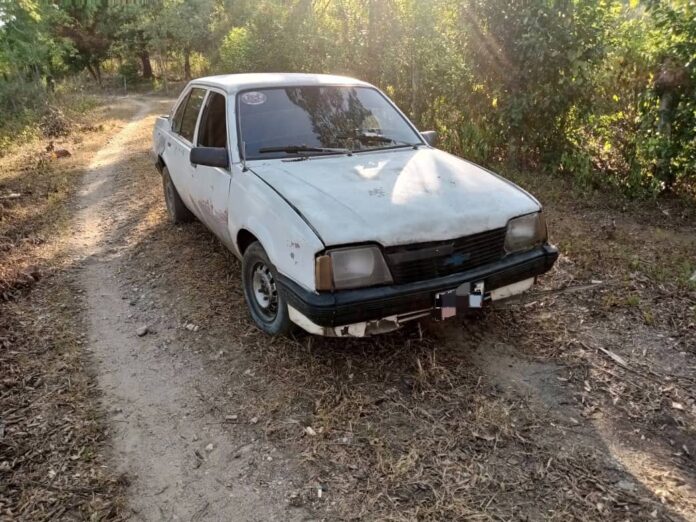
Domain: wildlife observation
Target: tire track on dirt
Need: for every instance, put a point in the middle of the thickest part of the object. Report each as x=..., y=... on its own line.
x=168, y=439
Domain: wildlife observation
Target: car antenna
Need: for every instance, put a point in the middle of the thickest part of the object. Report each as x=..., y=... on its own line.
x=244, y=166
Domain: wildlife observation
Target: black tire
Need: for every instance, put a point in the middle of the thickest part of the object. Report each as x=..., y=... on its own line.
x=267, y=305
x=178, y=213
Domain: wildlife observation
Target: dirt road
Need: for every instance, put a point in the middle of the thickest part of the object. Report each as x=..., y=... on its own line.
x=169, y=432
x=512, y=415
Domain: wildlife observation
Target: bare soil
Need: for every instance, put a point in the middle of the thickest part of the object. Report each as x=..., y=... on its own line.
x=577, y=402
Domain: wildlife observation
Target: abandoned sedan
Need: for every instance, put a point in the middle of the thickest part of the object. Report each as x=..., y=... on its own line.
x=346, y=218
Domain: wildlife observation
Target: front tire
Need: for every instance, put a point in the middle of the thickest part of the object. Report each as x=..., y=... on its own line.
x=267, y=305
x=178, y=213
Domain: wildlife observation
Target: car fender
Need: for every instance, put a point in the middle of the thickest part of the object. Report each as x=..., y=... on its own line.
x=287, y=238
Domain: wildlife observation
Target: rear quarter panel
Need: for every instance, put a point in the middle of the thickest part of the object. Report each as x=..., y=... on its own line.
x=159, y=135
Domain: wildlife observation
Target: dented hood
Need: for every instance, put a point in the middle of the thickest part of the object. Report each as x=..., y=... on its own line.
x=396, y=197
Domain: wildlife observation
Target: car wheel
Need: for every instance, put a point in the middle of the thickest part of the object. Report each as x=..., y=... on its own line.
x=266, y=303
x=178, y=213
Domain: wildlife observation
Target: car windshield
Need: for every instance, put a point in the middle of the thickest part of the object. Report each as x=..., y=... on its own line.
x=299, y=121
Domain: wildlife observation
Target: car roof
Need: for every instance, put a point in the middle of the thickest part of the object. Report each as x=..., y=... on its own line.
x=232, y=83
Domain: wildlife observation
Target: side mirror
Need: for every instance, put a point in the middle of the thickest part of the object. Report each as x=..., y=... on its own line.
x=430, y=137
x=210, y=157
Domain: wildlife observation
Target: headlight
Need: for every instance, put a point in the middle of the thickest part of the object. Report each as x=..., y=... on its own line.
x=347, y=268
x=525, y=233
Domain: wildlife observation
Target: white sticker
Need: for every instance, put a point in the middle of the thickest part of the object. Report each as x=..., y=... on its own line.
x=254, y=98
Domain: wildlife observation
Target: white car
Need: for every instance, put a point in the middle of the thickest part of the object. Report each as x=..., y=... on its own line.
x=346, y=218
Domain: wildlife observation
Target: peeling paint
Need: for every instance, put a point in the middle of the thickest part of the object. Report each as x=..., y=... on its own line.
x=363, y=329
x=405, y=196
x=218, y=218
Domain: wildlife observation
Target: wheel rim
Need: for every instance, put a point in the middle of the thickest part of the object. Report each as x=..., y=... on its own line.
x=264, y=291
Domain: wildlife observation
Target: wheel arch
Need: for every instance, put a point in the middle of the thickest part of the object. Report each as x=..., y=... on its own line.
x=254, y=230
x=160, y=164
x=244, y=239
x=262, y=214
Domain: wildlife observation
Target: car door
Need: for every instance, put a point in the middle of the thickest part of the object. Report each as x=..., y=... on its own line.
x=180, y=142
x=210, y=186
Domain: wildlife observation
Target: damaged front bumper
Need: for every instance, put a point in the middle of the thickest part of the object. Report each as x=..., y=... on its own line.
x=372, y=311
x=360, y=329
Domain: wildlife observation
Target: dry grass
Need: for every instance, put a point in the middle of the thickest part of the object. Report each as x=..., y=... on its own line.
x=35, y=188
x=51, y=433
x=514, y=415
x=414, y=426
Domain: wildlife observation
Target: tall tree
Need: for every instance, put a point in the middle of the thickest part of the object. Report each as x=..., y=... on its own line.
x=86, y=24
x=26, y=46
x=188, y=22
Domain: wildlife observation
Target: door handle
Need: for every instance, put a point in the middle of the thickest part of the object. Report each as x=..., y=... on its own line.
x=169, y=144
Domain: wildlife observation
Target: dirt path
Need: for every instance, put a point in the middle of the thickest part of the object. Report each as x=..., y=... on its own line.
x=515, y=414
x=183, y=463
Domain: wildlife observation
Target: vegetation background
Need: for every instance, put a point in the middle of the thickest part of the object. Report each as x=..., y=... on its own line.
x=603, y=91
x=577, y=403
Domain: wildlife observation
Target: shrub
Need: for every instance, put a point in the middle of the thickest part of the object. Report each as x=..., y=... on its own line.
x=235, y=50
x=129, y=70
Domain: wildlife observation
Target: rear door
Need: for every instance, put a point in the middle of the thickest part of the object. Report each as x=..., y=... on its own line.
x=210, y=186
x=180, y=143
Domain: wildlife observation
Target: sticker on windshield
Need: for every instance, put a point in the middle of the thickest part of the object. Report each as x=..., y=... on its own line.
x=254, y=98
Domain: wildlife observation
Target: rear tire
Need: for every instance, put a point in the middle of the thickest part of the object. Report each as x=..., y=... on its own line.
x=178, y=213
x=267, y=305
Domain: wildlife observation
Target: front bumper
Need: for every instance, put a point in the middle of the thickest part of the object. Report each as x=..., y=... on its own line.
x=369, y=304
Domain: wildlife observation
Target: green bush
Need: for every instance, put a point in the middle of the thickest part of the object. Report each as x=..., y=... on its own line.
x=601, y=91
x=129, y=70
x=235, y=50
x=22, y=104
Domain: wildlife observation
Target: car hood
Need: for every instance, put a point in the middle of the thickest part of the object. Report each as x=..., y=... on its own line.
x=396, y=197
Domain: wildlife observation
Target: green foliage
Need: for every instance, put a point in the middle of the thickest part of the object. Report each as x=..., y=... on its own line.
x=602, y=91
x=22, y=103
x=534, y=61
x=236, y=50
x=669, y=108
x=129, y=71
x=27, y=49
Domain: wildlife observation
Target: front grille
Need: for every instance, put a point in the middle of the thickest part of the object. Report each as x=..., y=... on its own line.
x=424, y=261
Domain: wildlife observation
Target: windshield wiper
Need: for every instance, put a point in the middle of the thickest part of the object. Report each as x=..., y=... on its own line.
x=369, y=136
x=297, y=149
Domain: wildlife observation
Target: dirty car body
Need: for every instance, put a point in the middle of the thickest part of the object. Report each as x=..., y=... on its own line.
x=347, y=219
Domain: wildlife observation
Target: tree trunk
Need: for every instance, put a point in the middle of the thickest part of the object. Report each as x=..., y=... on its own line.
x=669, y=100
x=37, y=73
x=187, y=64
x=97, y=69
x=92, y=72
x=147, y=66
x=163, y=67
x=372, y=45
x=415, y=106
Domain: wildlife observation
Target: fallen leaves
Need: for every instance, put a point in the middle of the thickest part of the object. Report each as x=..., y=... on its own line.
x=51, y=466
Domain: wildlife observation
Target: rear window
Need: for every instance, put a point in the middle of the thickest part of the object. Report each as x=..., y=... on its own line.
x=213, y=128
x=179, y=114
x=190, y=116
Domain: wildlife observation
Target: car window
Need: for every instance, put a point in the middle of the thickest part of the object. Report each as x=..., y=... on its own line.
x=179, y=114
x=193, y=107
x=212, y=131
x=357, y=118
